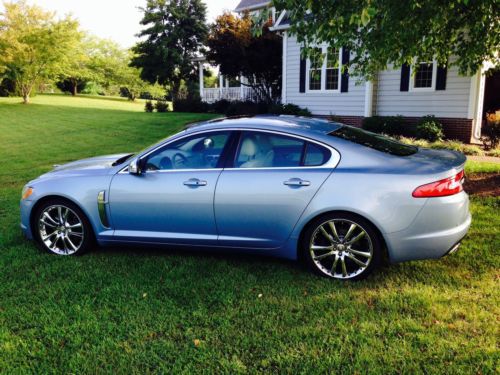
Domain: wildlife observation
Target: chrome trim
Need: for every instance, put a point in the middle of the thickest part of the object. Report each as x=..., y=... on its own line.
x=331, y=163
x=101, y=207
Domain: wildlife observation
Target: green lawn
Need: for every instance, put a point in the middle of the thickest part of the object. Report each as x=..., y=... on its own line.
x=143, y=311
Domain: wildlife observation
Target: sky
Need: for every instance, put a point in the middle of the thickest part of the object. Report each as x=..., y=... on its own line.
x=117, y=19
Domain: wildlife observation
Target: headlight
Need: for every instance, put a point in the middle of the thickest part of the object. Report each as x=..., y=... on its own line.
x=27, y=191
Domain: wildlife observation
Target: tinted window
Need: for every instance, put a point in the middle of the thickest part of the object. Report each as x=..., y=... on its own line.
x=197, y=152
x=375, y=141
x=316, y=155
x=261, y=150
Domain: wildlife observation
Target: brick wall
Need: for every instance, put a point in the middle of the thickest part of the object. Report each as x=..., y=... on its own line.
x=454, y=128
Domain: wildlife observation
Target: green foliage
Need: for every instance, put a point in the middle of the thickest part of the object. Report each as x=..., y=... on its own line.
x=34, y=45
x=136, y=310
x=289, y=109
x=174, y=32
x=161, y=106
x=430, y=129
x=238, y=51
x=191, y=104
x=7, y=87
x=390, y=125
x=491, y=131
x=444, y=145
x=384, y=32
x=149, y=106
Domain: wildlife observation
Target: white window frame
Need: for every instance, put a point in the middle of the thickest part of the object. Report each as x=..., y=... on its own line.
x=323, y=90
x=434, y=75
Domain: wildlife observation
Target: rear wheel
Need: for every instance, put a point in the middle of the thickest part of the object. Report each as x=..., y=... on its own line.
x=61, y=228
x=342, y=246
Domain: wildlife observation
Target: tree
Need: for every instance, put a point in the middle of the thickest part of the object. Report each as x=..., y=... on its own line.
x=240, y=51
x=383, y=32
x=175, y=31
x=34, y=46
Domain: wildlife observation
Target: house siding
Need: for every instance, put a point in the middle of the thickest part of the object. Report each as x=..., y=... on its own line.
x=453, y=102
x=350, y=103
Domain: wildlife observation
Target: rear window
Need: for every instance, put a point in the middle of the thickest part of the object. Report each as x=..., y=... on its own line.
x=375, y=141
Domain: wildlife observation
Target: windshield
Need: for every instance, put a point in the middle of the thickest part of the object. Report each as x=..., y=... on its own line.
x=375, y=141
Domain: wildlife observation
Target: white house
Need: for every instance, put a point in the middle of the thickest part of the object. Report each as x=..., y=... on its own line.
x=456, y=100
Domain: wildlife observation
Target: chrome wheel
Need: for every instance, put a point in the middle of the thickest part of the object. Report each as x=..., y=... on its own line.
x=341, y=248
x=61, y=230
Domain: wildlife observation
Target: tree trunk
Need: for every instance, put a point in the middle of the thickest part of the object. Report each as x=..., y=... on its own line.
x=26, y=91
x=26, y=98
x=74, y=87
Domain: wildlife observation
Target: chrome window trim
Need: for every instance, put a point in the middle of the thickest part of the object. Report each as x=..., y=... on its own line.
x=330, y=163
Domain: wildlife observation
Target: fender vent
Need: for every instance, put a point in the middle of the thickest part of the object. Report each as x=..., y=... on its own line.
x=101, y=206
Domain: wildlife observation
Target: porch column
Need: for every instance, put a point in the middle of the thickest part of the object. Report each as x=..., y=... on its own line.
x=221, y=84
x=241, y=88
x=368, y=99
x=202, y=88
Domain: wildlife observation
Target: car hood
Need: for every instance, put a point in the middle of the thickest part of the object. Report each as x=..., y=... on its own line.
x=95, y=165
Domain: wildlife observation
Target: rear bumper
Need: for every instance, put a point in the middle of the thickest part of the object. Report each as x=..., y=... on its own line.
x=439, y=227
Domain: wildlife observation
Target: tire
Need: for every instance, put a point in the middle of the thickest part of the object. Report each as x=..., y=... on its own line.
x=60, y=227
x=341, y=246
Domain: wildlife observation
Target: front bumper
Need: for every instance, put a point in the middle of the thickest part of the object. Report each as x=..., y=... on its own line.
x=441, y=224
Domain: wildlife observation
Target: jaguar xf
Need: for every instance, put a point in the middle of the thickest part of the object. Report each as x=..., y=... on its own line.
x=338, y=198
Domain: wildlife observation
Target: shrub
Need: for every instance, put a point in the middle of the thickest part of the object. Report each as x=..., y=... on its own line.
x=220, y=106
x=288, y=109
x=444, y=145
x=190, y=105
x=491, y=130
x=430, y=129
x=149, y=107
x=239, y=108
x=161, y=106
x=390, y=125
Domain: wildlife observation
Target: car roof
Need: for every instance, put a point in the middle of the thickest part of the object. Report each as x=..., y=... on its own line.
x=284, y=123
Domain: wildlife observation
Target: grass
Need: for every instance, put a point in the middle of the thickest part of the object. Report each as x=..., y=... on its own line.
x=142, y=311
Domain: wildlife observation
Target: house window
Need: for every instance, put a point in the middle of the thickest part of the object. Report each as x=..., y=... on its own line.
x=324, y=70
x=332, y=69
x=315, y=70
x=424, y=76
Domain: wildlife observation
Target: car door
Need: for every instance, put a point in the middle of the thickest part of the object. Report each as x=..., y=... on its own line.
x=271, y=180
x=171, y=201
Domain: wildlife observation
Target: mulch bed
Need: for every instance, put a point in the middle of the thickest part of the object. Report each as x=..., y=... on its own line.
x=483, y=184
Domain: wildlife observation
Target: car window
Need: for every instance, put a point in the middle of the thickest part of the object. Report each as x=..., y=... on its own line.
x=316, y=155
x=201, y=151
x=375, y=141
x=261, y=150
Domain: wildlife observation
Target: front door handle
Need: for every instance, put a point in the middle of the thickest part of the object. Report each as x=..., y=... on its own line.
x=297, y=182
x=195, y=182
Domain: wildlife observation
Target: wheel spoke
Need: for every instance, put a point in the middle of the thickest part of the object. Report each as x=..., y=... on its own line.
x=317, y=247
x=48, y=217
x=45, y=238
x=362, y=253
x=334, y=230
x=334, y=265
x=68, y=240
x=350, y=231
x=356, y=260
x=60, y=215
x=76, y=234
x=325, y=233
x=357, y=238
x=49, y=224
x=77, y=225
x=344, y=270
x=65, y=216
x=322, y=256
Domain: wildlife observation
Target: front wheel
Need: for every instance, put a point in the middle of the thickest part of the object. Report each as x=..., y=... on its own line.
x=61, y=228
x=342, y=246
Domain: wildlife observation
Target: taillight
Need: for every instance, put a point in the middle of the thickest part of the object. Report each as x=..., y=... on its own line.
x=441, y=188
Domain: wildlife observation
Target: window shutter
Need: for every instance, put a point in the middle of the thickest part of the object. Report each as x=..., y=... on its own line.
x=344, y=80
x=441, y=78
x=302, y=78
x=405, y=78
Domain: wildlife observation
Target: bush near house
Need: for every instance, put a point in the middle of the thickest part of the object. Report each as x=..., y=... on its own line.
x=441, y=145
x=237, y=108
x=430, y=129
x=149, y=106
x=491, y=131
x=390, y=125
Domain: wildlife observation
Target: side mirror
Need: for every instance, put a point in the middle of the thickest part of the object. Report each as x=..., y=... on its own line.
x=134, y=167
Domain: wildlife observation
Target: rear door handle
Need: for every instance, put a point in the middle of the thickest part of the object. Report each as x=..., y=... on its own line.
x=297, y=182
x=195, y=182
